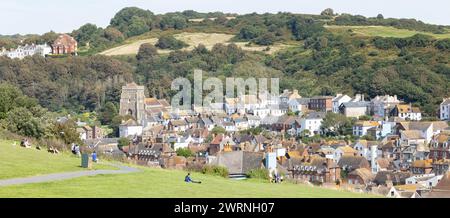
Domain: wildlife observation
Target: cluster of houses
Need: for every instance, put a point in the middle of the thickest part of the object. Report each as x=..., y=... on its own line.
x=405, y=157
x=64, y=44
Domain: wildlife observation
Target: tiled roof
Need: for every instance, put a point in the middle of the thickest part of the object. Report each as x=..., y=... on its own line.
x=365, y=174
x=352, y=162
x=356, y=104
x=422, y=163
x=412, y=134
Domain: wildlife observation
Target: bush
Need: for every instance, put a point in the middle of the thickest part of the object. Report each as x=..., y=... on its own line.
x=185, y=152
x=215, y=170
x=170, y=42
x=258, y=174
x=265, y=39
x=123, y=142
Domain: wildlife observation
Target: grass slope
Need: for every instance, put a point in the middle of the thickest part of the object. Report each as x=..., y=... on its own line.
x=21, y=162
x=384, y=31
x=168, y=183
x=17, y=161
x=131, y=47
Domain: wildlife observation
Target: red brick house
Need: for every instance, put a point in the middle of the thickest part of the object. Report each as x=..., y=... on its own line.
x=64, y=44
x=439, y=147
x=321, y=103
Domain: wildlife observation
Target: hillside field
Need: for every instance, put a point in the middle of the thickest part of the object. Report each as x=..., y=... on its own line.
x=384, y=31
x=149, y=182
x=131, y=47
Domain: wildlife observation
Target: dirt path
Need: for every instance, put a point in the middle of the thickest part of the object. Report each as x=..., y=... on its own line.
x=63, y=176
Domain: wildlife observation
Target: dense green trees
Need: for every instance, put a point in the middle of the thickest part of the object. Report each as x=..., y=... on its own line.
x=337, y=124
x=132, y=21
x=146, y=51
x=411, y=24
x=107, y=113
x=22, y=115
x=73, y=83
x=173, y=21
x=327, y=12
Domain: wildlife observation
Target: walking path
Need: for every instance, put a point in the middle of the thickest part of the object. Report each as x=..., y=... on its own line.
x=67, y=175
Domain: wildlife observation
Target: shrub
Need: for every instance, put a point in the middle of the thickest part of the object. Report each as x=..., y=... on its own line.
x=123, y=142
x=185, y=152
x=215, y=170
x=258, y=174
x=170, y=42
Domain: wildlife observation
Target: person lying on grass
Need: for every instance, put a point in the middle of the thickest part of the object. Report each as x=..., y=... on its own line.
x=188, y=179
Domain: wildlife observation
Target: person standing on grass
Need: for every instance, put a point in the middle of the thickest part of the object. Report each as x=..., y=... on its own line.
x=77, y=150
x=94, y=157
x=73, y=149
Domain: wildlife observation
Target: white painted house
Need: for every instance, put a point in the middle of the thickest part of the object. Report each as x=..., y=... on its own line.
x=425, y=180
x=312, y=123
x=130, y=128
x=27, y=50
x=338, y=100
x=444, y=109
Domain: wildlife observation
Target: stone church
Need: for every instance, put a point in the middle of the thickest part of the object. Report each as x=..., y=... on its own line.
x=132, y=101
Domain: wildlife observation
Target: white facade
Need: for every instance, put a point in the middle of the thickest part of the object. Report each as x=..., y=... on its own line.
x=261, y=112
x=410, y=116
x=380, y=104
x=338, y=100
x=27, y=50
x=425, y=180
x=444, y=110
x=310, y=124
x=125, y=131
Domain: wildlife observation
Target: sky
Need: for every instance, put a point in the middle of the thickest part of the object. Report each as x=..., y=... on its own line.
x=37, y=17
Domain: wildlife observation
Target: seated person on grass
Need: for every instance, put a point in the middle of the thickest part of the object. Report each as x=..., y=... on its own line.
x=188, y=179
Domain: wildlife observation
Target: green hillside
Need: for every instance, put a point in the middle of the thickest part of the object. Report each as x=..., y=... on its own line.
x=316, y=54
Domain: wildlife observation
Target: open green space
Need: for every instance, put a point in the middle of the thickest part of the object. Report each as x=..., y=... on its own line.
x=17, y=161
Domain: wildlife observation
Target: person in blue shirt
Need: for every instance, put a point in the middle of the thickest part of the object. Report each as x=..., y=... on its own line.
x=188, y=179
x=94, y=156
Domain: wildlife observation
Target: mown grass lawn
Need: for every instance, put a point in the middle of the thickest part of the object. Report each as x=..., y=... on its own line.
x=16, y=161
x=157, y=183
x=150, y=182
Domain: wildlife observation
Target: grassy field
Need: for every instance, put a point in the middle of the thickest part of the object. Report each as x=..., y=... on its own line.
x=150, y=182
x=131, y=47
x=164, y=183
x=17, y=161
x=384, y=31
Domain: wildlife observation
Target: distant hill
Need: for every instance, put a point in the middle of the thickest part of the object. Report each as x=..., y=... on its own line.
x=316, y=54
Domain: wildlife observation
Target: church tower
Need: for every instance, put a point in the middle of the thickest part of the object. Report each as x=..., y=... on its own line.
x=132, y=101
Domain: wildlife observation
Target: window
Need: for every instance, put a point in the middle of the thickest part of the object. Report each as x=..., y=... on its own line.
x=392, y=193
